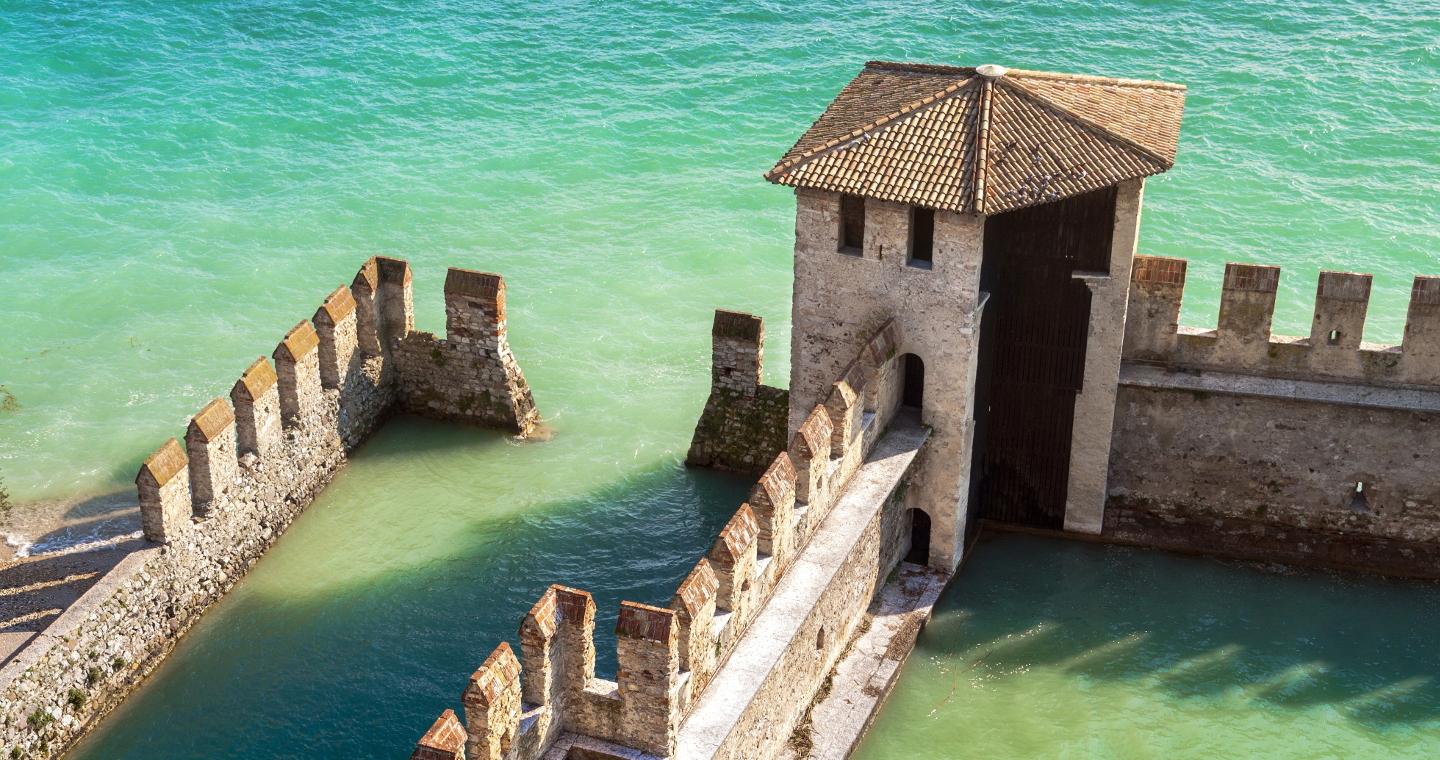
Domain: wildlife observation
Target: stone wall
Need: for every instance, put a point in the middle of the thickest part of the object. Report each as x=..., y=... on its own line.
x=1317, y=449
x=250, y=464
x=471, y=375
x=743, y=425
x=519, y=708
x=841, y=300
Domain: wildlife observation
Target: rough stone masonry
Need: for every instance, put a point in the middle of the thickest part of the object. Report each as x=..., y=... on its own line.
x=248, y=466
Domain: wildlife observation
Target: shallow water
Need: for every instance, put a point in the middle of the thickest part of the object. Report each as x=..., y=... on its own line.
x=366, y=621
x=1057, y=649
x=180, y=183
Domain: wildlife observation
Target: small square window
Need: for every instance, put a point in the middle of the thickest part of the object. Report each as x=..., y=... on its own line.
x=852, y=224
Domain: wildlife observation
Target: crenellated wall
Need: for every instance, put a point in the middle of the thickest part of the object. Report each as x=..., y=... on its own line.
x=1317, y=448
x=743, y=424
x=471, y=375
x=248, y=466
x=549, y=696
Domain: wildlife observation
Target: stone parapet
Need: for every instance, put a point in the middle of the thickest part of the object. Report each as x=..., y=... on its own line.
x=742, y=426
x=669, y=656
x=251, y=469
x=1244, y=343
x=471, y=375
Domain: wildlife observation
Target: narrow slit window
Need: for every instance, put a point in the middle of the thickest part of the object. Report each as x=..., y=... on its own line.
x=852, y=224
x=922, y=237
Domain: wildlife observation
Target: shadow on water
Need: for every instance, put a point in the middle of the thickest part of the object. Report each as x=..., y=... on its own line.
x=303, y=660
x=1193, y=629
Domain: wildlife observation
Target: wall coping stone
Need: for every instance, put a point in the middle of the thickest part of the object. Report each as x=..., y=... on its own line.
x=1348, y=394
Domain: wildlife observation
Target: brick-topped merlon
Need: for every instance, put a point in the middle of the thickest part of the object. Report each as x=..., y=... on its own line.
x=492, y=705
x=1156, y=287
x=1341, y=299
x=732, y=557
x=537, y=640
x=810, y=454
x=648, y=678
x=575, y=639
x=845, y=408
x=336, y=324
x=256, y=397
x=773, y=502
x=164, y=487
x=474, y=306
x=737, y=352
x=297, y=366
x=211, y=444
x=1247, y=307
x=444, y=741
x=1243, y=343
x=694, y=605
x=365, y=289
x=1421, y=344
x=396, y=299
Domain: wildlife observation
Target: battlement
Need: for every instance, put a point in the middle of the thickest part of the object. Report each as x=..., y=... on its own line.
x=250, y=463
x=518, y=708
x=333, y=379
x=743, y=424
x=1243, y=342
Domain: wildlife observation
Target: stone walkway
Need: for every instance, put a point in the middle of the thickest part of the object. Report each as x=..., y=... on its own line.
x=864, y=678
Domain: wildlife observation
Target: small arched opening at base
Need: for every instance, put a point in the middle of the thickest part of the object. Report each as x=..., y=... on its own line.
x=919, y=551
x=912, y=381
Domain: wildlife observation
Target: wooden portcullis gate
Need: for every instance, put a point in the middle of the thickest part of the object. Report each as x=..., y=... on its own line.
x=1032, y=358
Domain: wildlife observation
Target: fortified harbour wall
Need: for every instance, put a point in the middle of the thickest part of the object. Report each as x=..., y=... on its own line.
x=727, y=666
x=248, y=465
x=1319, y=449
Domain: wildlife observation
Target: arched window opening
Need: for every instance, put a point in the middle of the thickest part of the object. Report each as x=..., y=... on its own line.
x=912, y=371
x=919, y=552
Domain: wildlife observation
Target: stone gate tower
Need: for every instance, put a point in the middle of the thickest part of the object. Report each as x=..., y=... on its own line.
x=990, y=216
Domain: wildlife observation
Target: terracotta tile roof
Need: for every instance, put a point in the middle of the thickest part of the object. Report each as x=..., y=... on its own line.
x=949, y=138
x=735, y=538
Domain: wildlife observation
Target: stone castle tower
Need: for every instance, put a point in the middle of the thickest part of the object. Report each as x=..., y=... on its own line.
x=990, y=216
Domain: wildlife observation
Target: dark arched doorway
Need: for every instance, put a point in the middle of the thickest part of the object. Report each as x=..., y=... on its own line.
x=919, y=552
x=912, y=381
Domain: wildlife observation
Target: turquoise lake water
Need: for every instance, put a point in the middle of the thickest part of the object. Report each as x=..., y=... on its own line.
x=1058, y=649
x=181, y=182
